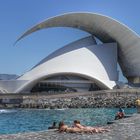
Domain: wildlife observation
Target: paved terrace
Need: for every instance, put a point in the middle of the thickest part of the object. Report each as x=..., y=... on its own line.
x=114, y=92
x=125, y=129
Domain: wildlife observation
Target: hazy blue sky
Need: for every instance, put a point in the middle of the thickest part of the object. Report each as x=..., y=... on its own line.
x=16, y=16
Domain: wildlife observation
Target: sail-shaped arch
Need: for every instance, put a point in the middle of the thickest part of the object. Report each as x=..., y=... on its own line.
x=107, y=30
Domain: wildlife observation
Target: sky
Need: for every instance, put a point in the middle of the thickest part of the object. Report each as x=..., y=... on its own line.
x=16, y=16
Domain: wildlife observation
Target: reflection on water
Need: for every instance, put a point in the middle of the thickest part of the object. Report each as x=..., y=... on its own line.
x=14, y=121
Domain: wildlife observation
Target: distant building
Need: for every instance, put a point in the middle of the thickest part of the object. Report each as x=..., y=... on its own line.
x=83, y=65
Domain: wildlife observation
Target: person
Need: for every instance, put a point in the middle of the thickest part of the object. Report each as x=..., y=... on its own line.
x=120, y=114
x=53, y=126
x=93, y=129
x=62, y=127
x=78, y=125
x=65, y=128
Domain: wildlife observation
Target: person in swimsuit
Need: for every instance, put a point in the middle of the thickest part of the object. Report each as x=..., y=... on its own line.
x=65, y=128
x=62, y=127
x=93, y=129
x=120, y=114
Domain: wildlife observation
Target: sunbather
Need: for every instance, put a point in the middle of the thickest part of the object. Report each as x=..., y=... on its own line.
x=93, y=129
x=65, y=128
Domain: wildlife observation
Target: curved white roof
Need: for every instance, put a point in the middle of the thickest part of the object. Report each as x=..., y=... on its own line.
x=83, y=58
x=107, y=30
x=87, y=41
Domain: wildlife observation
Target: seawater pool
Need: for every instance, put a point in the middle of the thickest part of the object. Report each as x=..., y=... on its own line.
x=27, y=120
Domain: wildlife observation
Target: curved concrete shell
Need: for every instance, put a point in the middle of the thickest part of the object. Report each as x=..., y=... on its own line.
x=107, y=30
x=83, y=58
x=87, y=41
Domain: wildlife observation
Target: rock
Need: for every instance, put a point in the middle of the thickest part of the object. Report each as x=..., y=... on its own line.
x=106, y=99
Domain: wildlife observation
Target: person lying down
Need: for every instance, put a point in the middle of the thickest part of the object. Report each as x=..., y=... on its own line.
x=78, y=128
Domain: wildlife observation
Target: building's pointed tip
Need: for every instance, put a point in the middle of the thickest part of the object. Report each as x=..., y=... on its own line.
x=15, y=43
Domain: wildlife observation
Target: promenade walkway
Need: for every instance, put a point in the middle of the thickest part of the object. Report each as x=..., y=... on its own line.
x=125, y=129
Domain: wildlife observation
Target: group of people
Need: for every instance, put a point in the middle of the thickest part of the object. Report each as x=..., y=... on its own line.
x=79, y=128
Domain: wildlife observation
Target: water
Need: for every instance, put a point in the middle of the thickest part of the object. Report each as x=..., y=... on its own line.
x=26, y=120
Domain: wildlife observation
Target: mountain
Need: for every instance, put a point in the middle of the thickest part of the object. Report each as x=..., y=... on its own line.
x=8, y=76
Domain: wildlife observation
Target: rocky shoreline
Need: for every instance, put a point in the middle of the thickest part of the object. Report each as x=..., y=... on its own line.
x=74, y=100
x=79, y=102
